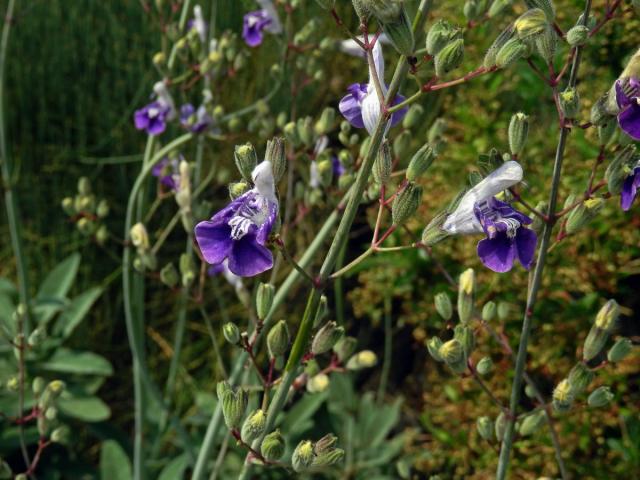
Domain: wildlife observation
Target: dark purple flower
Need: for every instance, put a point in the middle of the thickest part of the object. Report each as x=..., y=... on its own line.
x=238, y=233
x=628, y=99
x=630, y=189
x=361, y=106
x=196, y=121
x=167, y=171
x=152, y=118
x=254, y=23
x=507, y=239
x=338, y=168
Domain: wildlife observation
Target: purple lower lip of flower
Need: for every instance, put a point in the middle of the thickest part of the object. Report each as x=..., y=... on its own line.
x=152, y=118
x=507, y=238
x=627, y=97
x=351, y=105
x=338, y=168
x=238, y=233
x=253, y=25
x=196, y=121
x=630, y=189
x=166, y=171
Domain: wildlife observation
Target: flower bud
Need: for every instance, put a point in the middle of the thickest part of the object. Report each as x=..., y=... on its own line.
x=600, y=331
x=531, y=23
x=608, y=315
x=326, y=121
x=532, y=423
x=497, y=7
x=466, y=337
x=600, y=397
x=563, y=396
x=510, y=52
x=51, y=413
x=484, y=366
x=305, y=131
x=433, y=347
x=433, y=232
x=401, y=144
x=500, y=426
x=275, y=154
x=580, y=377
x=102, y=210
x=395, y=23
x=326, y=338
x=471, y=10
x=234, y=403
x=518, y=131
x=406, y=203
x=278, y=339
x=443, y=305
x=363, y=359
x=570, y=103
x=60, y=435
x=619, y=168
x=578, y=35
x=620, y=350
x=501, y=40
x=272, y=447
x=383, y=164
x=599, y=112
x=345, y=347
x=529, y=391
x=485, y=427
x=607, y=132
x=489, y=311
x=545, y=5
x=439, y=35
x=450, y=57
x=547, y=44
x=187, y=269
x=323, y=311
x=37, y=386
x=222, y=388
x=246, y=160
x=169, y=275
x=412, y=118
x=231, y=333
x=139, y=237
x=253, y=426
x=451, y=351
x=264, y=299
x=291, y=134
x=302, y=456
x=238, y=188
x=328, y=458
x=37, y=336
x=68, y=206
x=318, y=383
x=466, y=293
x=420, y=162
x=583, y=214
x=84, y=186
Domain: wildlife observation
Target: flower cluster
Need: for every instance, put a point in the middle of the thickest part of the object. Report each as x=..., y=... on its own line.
x=259, y=21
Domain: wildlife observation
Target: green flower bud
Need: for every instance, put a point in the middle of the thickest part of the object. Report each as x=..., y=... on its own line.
x=451, y=351
x=443, y=305
x=13, y=384
x=600, y=397
x=326, y=121
x=264, y=299
x=399, y=31
x=518, y=131
x=238, y=188
x=326, y=338
x=102, y=210
x=600, y=331
x=489, y=311
x=363, y=359
x=531, y=23
x=433, y=347
x=500, y=426
x=302, y=457
x=325, y=444
x=318, y=383
x=497, y=7
x=450, y=57
x=532, y=423
x=580, y=377
x=439, y=35
x=37, y=336
x=37, y=386
x=253, y=426
x=466, y=337
x=139, y=237
x=529, y=391
x=620, y=350
x=231, y=333
x=413, y=116
x=433, y=232
x=68, y=206
x=420, y=162
x=246, y=160
x=471, y=10
x=583, y=214
x=466, y=294
x=60, y=435
x=510, y=52
x=607, y=132
x=328, y=458
x=563, y=396
x=290, y=131
x=84, y=186
x=169, y=275
x=504, y=310
x=406, y=203
x=234, y=403
x=501, y=40
x=278, y=339
x=275, y=154
x=599, y=112
x=578, y=35
x=21, y=476
x=570, y=103
x=545, y=5
x=102, y=235
x=547, y=44
x=222, y=388
x=484, y=426
x=323, y=311
x=272, y=447
x=51, y=413
x=383, y=164
x=608, y=315
x=187, y=269
x=345, y=347
x=484, y=366
x=619, y=168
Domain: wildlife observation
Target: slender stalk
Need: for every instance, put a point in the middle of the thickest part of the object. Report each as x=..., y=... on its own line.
x=521, y=357
x=388, y=346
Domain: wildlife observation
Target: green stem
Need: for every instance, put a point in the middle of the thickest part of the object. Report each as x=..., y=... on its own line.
x=388, y=346
x=521, y=357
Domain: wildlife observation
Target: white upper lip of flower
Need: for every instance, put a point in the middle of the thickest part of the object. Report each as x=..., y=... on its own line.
x=264, y=182
x=371, y=110
x=275, y=26
x=463, y=219
x=199, y=24
x=165, y=98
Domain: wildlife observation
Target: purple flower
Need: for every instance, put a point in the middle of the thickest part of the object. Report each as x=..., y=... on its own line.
x=361, y=107
x=239, y=232
x=628, y=99
x=196, y=121
x=168, y=172
x=630, y=189
x=154, y=116
x=479, y=211
x=338, y=168
x=255, y=22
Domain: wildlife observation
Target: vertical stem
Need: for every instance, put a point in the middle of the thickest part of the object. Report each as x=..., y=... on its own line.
x=388, y=345
x=521, y=357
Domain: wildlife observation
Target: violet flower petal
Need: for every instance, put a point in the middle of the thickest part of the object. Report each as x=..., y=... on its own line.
x=497, y=253
x=526, y=241
x=248, y=258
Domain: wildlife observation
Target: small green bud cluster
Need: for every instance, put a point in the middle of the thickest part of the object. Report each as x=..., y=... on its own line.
x=145, y=258
x=46, y=397
x=278, y=339
x=600, y=330
x=87, y=211
x=361, y=360
x=395, y=23
x=234, y=403
x=187, y=269
x=264, y=299
x=314, y=456
x=326, y=338
x=406, y=203
x=620, y=168
x=518, y=132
